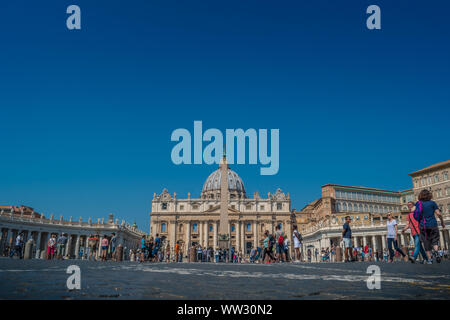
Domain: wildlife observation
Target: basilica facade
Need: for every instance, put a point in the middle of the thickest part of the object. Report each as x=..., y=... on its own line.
x=195, y=220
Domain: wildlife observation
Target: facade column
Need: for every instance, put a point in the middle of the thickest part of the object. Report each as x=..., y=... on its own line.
x=173, y=234
x=187, y=244
x=200, y=232
x=77, y=247
x=255, y=234
x=364, y=241
x=215, y=235
x=243, y=229
x=402, y=239
x=206, y=236
x=237, y=237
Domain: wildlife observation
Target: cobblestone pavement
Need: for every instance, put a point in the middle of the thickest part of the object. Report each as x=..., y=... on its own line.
x=42, y=279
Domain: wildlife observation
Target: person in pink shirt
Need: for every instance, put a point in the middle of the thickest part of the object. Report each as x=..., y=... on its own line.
x=104, y=244
x=413, y=225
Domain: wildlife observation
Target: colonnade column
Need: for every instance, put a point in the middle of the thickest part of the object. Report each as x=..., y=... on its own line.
x=38, y=244
x=86, y=247
x=99, y=249
x=77, y=247
x=383, y=241
x=68, y=246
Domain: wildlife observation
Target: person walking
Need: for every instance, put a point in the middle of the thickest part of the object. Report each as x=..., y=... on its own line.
x=347, y=238
x=425, y=212
x=268, y=245
x=392, y=231
x=177, y=251
x=297, y=243
x=413, y=225
x=61, y=246
x=279, y=236
x=93, y=245
x=105, y=245
x=51, y=247
x=18, y=246
x=143, y=247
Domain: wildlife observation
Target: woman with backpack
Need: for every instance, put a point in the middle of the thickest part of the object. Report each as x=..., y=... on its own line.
x=425, y=212
x=279, y=236
x=268, y=246
x=413, y=225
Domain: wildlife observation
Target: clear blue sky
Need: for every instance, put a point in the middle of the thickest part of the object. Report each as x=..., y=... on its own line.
x=86, y=116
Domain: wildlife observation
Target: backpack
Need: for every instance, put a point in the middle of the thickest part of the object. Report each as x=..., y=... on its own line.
x=271, y=241
x=280, y=240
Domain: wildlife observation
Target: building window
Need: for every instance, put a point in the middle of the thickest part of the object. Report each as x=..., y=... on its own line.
x=338, y=207
x=445, y=176
x=195, y=206
x=279, y=206
x=261, y=208
x=248, y=207
x=429, y=180
x=436, y=179
x=195, y=228
x=164, y=206
x=163, y=227
x=233, y=206
x=233, y=228
x=210, y=228
x=357, y=218
x=249, y=227
x=181, y=207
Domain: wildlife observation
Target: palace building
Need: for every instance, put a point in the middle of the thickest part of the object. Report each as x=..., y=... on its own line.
x=321, y=221
x=195, y=221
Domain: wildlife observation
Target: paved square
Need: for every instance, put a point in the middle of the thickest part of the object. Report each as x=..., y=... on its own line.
x=42, y=279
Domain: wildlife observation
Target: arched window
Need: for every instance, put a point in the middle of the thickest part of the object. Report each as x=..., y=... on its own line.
x=360, y=207
x=344, y=206
x=350, y=207
x=338, y=207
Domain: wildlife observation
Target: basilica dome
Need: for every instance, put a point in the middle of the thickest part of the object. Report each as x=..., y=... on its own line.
x=235, y=184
